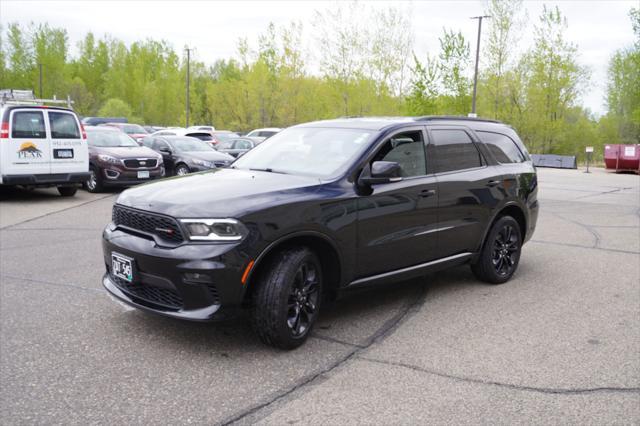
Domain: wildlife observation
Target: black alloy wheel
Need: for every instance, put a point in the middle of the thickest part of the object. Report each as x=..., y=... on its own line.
x=303, y=299
x=498, y=260
x=505, y=250
x=286, y=297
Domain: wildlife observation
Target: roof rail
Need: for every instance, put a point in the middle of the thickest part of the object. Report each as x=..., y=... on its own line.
x=456, y=117
x=26, y=97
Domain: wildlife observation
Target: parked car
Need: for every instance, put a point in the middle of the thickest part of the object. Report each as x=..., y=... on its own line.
x=259, y=135
x=153, y=129
x=220, y=136
x=136, y=131
x=41, y=145
x=96, y=121
x=184, y=154
x=208, y=129
x=236, y=147
x=117, y=160
x=319, y=209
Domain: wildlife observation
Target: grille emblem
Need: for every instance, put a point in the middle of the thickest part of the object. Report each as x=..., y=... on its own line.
x=143, y=163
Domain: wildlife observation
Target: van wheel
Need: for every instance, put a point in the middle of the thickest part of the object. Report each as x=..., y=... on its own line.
x=67, y=191
x=500, y=253
x=182, y=170
x=94, y=183
x=286, y=301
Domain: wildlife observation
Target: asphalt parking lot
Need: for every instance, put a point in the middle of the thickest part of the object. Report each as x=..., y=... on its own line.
x=559, y=344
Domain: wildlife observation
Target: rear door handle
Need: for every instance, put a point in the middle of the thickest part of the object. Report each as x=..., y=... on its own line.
x=427, y=193
x=494, y=182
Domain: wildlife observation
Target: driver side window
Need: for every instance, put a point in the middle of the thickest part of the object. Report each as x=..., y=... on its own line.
x=406, y=149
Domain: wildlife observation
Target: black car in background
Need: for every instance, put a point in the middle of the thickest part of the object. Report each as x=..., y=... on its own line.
x=319, y=209
x=183, y=154
x=236, y=147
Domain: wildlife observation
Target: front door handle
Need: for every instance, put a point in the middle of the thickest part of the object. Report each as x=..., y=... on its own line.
x=427, y=193
x=494, y=182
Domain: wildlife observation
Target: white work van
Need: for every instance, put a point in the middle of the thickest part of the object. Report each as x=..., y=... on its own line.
x=41, y=145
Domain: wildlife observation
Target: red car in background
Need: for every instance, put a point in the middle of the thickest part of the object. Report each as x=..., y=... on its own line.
x=136, y=131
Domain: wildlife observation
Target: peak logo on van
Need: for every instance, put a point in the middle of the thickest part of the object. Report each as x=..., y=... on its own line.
x=29, y=150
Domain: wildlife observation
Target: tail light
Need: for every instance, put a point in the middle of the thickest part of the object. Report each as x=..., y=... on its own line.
x=4, y=130
x=84, y=133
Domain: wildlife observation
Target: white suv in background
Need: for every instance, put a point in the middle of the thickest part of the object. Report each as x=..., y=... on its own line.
x=258, y=135
x=41, y=145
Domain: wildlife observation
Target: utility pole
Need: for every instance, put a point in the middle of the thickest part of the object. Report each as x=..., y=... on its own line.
x=188, y=60
x=40, y=67
x=475, y=74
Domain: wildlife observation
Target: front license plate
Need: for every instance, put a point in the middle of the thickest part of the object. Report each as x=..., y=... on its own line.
x=121, y=267
x=143, y=174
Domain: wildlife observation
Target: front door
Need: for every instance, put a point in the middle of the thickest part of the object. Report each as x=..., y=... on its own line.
x=397, y=223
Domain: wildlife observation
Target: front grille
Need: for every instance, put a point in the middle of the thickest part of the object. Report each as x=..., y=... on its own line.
x=156, y=295
x=165, y=228
x=137, y=163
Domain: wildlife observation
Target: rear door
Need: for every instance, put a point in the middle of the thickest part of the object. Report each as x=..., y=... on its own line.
x=28, y=150
x=466, y=187
x=69, y=152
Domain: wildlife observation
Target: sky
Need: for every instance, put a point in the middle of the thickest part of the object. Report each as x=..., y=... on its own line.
x=597, y=27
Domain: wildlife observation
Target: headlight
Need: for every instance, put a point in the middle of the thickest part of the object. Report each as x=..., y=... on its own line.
x=214, y=229
x=223, y=163
x=204, y=163
x=108, y=159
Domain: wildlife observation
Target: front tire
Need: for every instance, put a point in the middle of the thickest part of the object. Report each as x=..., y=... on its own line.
x=94, y=183
x=67, y=191
x=182, y=170
x=500, y=254
x=287, y=299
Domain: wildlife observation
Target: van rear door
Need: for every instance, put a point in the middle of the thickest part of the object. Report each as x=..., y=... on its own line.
x=68, y=152
x=28, y=150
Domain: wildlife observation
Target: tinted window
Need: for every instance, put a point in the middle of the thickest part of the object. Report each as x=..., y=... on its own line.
x=63, y=126
x=28, y=124
x=454, y=150
x=159, y=144
x=406, y=149
x=243, y=144
x=502, y=147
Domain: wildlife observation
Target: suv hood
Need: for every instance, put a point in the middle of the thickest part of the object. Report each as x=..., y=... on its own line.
x=219, y=193
x=125, y=151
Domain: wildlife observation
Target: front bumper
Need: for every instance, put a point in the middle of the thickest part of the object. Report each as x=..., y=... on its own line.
x=116, y=176
x=198, y=282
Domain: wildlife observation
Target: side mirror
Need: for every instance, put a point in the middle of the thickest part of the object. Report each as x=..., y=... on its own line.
x=380, y=172
x=165, y=151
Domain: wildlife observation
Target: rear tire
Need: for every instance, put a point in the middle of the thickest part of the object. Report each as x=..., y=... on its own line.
x=287, y=298
x=500, y=253
x=67, y=191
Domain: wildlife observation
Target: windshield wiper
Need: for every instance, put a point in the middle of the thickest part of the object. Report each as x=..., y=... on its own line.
x=268, y=170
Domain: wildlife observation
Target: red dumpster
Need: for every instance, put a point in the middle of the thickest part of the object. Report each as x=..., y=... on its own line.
x=622, y=158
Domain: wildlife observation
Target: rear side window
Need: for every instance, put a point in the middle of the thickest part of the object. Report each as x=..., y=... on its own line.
x=242, y=144
x=28, y=124
x=63, y=126
x=454, y=150
x=503, y=148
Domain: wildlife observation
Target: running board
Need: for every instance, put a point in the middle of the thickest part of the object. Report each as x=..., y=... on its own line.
x=411, y=270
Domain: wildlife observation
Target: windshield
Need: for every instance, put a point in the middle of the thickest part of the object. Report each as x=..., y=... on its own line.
x=110, y=139
x=318, y=152
x=190, y=145
x=133, y=128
